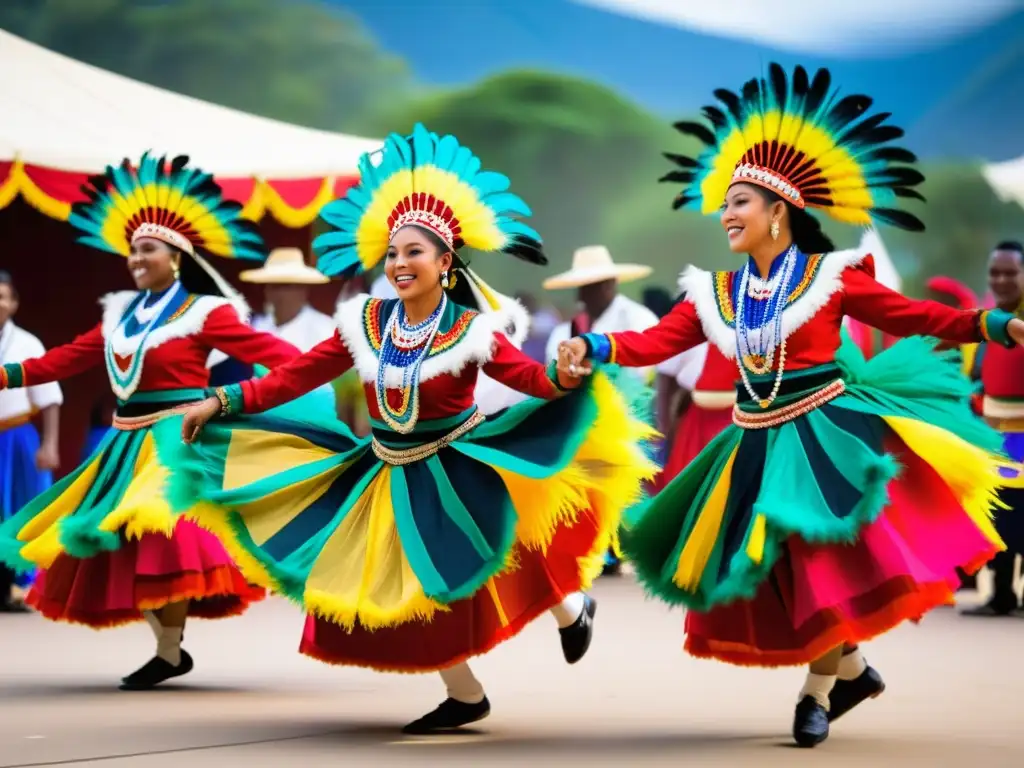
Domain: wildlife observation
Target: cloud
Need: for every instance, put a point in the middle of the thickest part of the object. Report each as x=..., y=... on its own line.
x=861, y=28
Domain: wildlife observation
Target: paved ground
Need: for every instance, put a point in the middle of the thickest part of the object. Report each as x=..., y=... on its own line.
x=954, y=699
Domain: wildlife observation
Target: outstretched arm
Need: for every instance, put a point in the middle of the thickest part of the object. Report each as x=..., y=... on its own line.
x=324, y=362
x=517, y=371
x=678, y=331
x=867, y=300
x=223, y=330
x=61, y=362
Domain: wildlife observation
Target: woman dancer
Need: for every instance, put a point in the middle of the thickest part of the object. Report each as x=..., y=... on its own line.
x=446, y=531
x=112, y=548
x=846, y=493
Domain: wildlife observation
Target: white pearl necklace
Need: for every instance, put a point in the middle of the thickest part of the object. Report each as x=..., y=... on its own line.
x=765, y=290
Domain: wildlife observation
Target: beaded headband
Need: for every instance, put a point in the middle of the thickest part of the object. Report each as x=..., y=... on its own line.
x=429, y=213
x=164, y=235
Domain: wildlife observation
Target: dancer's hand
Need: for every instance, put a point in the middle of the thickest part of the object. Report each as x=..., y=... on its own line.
x=196, y=418
x=1016, y=331
x=47, y=457
x=572, y=358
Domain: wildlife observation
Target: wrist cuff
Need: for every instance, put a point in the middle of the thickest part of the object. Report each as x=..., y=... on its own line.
x=12, y=375
x=993, y=325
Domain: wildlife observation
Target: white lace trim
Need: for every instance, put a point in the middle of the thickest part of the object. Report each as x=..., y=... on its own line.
x=476, y=347
x=699, y=286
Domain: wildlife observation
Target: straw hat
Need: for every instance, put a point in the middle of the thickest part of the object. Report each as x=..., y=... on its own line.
x=593, y=264
x=285, y=266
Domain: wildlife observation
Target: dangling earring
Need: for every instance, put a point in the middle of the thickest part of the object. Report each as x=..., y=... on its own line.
x=444, y=279
x=177, y=272
x=774, y=230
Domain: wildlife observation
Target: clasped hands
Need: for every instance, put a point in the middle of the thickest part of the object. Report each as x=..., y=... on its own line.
x=572, y=359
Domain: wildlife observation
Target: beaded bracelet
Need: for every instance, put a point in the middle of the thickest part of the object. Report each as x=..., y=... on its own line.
x=225, y=401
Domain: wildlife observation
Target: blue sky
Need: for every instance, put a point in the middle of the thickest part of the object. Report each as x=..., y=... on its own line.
x=672, y=70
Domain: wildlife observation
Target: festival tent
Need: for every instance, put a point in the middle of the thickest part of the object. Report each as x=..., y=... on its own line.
x=63, y=120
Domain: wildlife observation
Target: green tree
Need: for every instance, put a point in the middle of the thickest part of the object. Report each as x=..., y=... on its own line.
x=298, y=61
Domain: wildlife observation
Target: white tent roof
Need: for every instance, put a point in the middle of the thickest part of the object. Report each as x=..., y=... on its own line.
x=1007, y=179
x=61, y=113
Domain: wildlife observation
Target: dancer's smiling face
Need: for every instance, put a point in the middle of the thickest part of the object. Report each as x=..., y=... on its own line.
x=747, y=217
x=416, y=260
x=152, y=264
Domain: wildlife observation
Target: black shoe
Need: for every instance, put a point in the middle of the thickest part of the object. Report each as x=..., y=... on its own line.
x=577, y=636
x=156, y=671
x=847, y=694
x=989, y=609
x=14, y=607
x=451, y=714
x=810, y=723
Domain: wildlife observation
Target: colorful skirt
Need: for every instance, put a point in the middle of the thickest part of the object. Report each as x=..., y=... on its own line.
x=20, y=480
x=413, y=552
x=111, y=546
x=830, y=519
x=697, y=427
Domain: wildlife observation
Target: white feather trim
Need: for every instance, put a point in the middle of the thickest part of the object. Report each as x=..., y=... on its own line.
x=509, y=309
x=189, y=323
x=476, y=347
x=699, y=286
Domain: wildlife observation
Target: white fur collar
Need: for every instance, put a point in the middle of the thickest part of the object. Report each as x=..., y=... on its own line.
x=700, y=289
x=475, y=347
x=189, y=323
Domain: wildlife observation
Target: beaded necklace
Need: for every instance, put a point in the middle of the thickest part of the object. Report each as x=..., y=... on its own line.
x=758, y=337
x=405, y=347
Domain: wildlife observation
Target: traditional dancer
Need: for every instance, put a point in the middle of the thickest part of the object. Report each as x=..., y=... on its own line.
x=846, y=492
x=446, y=532
x=113, y=550
x=1001, y=402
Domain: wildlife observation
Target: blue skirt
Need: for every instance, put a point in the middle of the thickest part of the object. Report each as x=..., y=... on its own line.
x=20, y=481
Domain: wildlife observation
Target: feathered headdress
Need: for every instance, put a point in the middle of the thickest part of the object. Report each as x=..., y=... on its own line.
x=431, y=182
x=173, y=203
x=799, y=139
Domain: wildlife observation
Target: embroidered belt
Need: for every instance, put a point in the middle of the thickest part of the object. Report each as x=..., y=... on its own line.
x=400, y=456
x=789, y=412
x=713, y=401
x=1002, y=408
x=15, y=421
x=132, y=423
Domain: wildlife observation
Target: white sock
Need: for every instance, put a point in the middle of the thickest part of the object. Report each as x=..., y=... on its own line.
x=154, y=624
x=462, y=684
x=168, y=645
x=570, y=609
x=852, y=666
x=818, y=686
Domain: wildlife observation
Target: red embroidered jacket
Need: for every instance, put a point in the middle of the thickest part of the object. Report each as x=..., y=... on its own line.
x=466, y=342
x=176, y=356
x=832, y=286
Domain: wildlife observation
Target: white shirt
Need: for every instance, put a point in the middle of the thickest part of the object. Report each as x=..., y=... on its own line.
x=305, y=330
x=686, y=367
x=18, y=345
x=623, y=314
x=383, y=289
